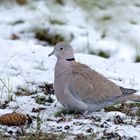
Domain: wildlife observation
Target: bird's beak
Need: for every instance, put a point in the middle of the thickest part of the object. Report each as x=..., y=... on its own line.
x=51, y=53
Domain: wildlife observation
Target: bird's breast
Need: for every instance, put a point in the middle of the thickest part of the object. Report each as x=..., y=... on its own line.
x=61, y=78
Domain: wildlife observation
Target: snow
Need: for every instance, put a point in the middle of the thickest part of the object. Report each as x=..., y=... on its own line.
x=113, y=28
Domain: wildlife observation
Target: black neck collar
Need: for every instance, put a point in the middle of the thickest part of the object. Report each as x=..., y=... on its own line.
x=70, y=59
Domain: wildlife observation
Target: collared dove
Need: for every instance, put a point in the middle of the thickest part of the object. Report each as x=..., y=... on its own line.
x=80, y=88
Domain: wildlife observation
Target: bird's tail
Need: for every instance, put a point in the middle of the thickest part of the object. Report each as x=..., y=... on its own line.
x=128, y=94
x=127, y=91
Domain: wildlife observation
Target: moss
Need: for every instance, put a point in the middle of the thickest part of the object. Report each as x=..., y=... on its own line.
x=18, y=22
x=61, y=2
x=24, y=91
x=133, y=22
x=135, y=104
x=100, y=53
x=64, y=112
x=106, y=17
x=137, y=4
x=55, y=21
x=127, y=108
x=103, y=35
x=137, y=58
x=111, y=108
x=43, y=35
x=21, y=2
x=138, y=113
x=40, y=100
x=90, y=5
x=103, y=54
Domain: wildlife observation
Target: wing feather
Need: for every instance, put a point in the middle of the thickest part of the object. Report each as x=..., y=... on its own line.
x=90, y=86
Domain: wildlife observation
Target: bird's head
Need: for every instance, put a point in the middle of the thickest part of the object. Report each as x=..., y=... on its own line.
x=63, y=50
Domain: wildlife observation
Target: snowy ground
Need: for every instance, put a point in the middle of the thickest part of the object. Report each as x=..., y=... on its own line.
x=25, y=65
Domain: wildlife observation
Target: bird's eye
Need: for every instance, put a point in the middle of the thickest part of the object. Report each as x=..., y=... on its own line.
x=61, y=48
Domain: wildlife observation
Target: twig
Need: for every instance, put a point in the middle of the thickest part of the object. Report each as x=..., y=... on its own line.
x=7, y=63
x=5, y=85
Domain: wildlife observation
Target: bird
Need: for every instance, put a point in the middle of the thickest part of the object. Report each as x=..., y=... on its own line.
x=78, y=87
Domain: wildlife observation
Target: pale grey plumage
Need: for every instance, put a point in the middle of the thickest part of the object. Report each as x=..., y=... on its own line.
x=79, y=87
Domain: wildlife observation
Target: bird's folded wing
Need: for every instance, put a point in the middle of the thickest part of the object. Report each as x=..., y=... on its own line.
x=90, y=86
